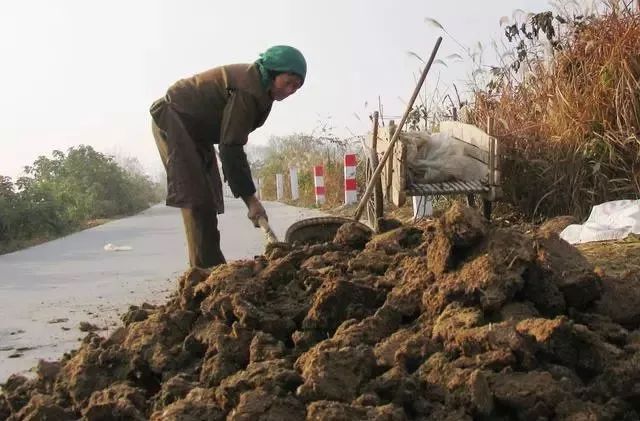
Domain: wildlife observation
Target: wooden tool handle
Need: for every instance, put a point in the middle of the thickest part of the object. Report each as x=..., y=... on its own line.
x=376, y=174
x=266, y=228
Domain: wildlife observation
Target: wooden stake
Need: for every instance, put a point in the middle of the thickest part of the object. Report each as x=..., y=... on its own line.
x=377, y=195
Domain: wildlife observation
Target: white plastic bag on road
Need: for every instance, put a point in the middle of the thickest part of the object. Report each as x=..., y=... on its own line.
x=607, y=221
x=113, y=247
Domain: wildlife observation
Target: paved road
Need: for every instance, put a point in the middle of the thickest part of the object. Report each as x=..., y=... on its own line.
x=46, y=291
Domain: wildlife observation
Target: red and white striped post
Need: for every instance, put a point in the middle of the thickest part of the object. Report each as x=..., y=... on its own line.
x=318, y=175
x=350, y=186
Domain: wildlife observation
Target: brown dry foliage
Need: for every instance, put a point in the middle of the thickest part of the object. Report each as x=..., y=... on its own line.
x=571, y=130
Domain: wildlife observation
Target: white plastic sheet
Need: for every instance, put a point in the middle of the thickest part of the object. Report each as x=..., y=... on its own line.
x=607, y=221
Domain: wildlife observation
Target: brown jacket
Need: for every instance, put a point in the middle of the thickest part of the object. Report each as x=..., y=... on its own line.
x=220, y=106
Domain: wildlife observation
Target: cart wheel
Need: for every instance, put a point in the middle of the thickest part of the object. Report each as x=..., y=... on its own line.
x=471, y=200
x=486, y=206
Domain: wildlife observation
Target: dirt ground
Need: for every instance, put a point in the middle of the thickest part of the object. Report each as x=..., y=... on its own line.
x=447, y=319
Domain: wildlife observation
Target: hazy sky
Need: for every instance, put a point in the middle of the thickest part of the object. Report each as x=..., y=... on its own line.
x=85, y=72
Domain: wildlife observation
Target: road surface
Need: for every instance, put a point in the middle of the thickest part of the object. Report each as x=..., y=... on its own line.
x=47, y=290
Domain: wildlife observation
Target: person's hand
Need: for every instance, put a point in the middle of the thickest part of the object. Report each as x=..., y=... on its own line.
x=256, y=210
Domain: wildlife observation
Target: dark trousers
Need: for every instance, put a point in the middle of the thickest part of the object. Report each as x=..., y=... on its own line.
x=200, y=223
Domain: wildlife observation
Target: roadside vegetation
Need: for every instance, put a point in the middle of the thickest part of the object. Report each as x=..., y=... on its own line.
x=70, y=191
x=565, y=104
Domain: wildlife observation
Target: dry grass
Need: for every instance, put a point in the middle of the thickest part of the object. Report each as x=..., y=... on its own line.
x=571, y=129
x=615, y=258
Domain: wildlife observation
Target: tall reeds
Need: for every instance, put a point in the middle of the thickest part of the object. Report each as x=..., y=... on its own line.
x=570, y=123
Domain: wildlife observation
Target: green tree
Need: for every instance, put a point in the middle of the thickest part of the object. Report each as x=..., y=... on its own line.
x=8, y=203
x=58, y=194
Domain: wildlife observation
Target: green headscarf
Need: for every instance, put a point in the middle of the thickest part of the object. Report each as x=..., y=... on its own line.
x=281, y=58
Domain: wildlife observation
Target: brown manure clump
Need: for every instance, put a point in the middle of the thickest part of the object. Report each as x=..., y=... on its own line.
x=450, y=320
